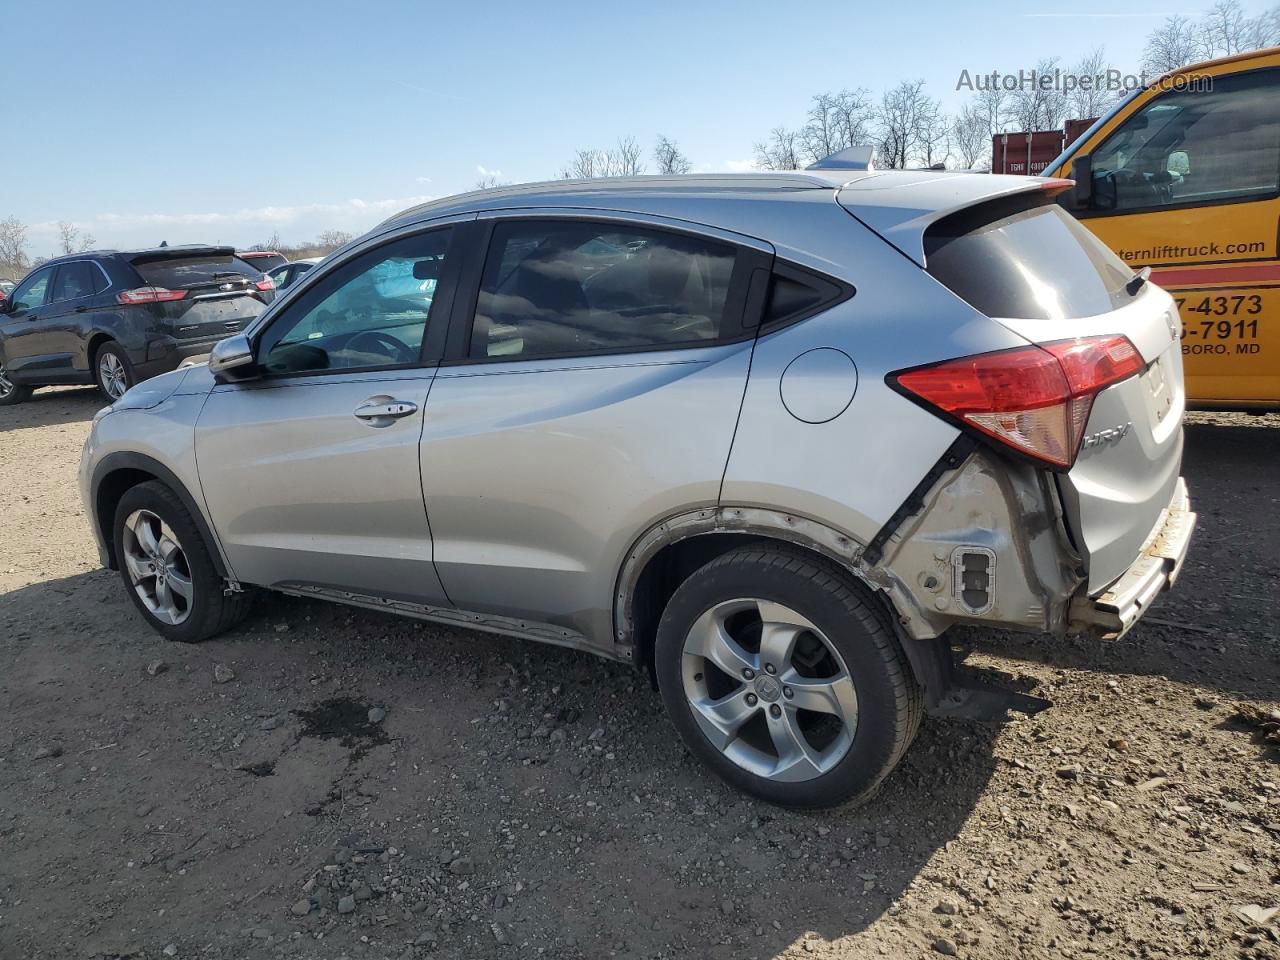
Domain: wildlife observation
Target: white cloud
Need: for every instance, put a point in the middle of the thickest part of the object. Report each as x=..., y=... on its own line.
x=243, y=226
x=485, y=172
x=422, y=179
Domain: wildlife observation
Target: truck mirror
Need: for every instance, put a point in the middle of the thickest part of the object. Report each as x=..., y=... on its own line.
x=1082, y=174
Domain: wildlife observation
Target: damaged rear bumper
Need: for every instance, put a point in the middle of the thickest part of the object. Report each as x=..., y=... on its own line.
x=1113, y=612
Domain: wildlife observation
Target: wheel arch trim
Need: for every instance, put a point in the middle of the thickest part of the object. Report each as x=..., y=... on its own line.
x=125, y=460
x=753, y=521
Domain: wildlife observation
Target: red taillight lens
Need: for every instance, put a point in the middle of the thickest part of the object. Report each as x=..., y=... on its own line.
x=149, y=295
x=1035, y=399
x=265, y=284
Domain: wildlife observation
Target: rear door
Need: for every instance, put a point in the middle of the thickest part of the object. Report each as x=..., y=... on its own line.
x=1035, y=269
x=63, y=337
x=310, y=473
x=591, y=389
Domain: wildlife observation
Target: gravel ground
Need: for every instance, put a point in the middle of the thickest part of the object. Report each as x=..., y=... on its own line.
x=326, y=782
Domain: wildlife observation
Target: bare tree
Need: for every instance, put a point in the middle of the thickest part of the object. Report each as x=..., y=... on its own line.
x=72, y=240
x=780, y=151
x=1090, y=97
x=1170, y=46
x=333, y=239
x=908, y=126
x=1224, y=30
x=933, y=134
x=993, y=106
x=487, y=181
x=624, y=160
x=669, y=158
x=1263, y=30
x=13, y=246
x=835, y=122
x=1040, y=106
x=971, y=136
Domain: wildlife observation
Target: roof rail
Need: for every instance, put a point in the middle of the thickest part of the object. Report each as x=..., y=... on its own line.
x=850, y=158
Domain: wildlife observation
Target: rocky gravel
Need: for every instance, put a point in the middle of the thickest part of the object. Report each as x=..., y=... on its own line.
x=331, y=783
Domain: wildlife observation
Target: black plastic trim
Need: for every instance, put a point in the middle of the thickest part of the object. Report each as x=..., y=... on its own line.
x=837, y=292
x=125, y=460
x=955, y=455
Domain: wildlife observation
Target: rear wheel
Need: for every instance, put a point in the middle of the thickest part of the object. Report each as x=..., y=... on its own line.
x=112, y=371
x=780, y=672
x=167, y=567
x=10, y=392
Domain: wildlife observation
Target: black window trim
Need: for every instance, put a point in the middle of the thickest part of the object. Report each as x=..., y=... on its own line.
x=743, y=299
x=433, y=337
x=66, y=263
x=837, y=292
x=1092, y=213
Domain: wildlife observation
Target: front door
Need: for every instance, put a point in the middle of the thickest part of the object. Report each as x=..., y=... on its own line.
x=22, y=327
x=310, y=473
x=594, y=392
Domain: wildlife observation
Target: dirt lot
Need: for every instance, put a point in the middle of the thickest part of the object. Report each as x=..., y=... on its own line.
x=527, y=801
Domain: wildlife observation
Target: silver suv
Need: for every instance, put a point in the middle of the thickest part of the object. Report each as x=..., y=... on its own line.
x=766, y=436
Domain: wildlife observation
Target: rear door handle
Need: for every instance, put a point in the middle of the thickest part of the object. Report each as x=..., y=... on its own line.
x=382, y=411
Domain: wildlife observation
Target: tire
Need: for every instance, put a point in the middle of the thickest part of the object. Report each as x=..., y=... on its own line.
x=11, y=393
x=112, y=371
x=198, y=609
x=838, y=635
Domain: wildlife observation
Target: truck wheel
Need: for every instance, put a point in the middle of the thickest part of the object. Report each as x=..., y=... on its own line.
x=781, y=673
x=112, y=371
x=167, y=567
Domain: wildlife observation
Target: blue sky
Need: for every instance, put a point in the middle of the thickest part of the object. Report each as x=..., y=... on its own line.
x=144, y=121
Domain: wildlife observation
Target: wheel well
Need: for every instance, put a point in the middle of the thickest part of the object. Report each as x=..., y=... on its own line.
x=95, y=344
x=662, y=576
x=114, y=486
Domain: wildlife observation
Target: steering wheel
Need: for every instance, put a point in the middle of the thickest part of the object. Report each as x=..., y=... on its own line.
x=1131, y=183
x=396, y=351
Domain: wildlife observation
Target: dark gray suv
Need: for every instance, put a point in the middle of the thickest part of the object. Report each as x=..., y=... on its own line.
x=114, y=318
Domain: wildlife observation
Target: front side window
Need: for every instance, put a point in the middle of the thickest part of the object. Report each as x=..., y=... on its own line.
x=74, y=280
x=31, y=292
x=278, y=276
x=372, y=311
x=1195, y=146
x=557, y=288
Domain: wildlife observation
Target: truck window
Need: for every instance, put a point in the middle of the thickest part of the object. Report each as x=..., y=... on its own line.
x=1195, y=146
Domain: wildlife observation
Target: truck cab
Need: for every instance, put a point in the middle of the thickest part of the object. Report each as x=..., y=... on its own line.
x=1183, y=177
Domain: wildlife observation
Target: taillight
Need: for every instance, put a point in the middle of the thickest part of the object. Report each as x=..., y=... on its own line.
x=150, y=295
x=1035, y=399
x=265, y=284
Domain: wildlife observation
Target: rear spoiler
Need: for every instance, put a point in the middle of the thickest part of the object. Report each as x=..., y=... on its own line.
x=901, y=206
x=181, y=253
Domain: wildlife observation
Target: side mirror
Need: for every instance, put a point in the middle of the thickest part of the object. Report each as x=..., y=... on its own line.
x=1082, y=174
x=232, y=359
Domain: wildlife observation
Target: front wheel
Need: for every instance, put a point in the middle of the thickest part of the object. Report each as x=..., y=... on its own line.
x=112, y=371
x=10, y=392
x=167, y=567
x=781, y=673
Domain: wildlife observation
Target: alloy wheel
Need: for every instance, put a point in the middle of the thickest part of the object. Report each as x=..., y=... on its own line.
x=769, y=690
x=112, y=375
x=6, y=385
x=157, y=567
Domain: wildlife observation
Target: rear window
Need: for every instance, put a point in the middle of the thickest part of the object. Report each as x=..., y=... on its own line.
x=178, y=272
x=1037, y=262
x=265, y=261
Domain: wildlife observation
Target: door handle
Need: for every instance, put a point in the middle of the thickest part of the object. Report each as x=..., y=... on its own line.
x=382, y=411
x=81, y=309
x=32, y=316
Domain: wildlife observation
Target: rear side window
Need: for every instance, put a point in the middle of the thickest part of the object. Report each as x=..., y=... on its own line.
x=795, y=294
x=563, y=288
x=1034, y=263
x=74, y=280
x=265, y=262
x=175, y=273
